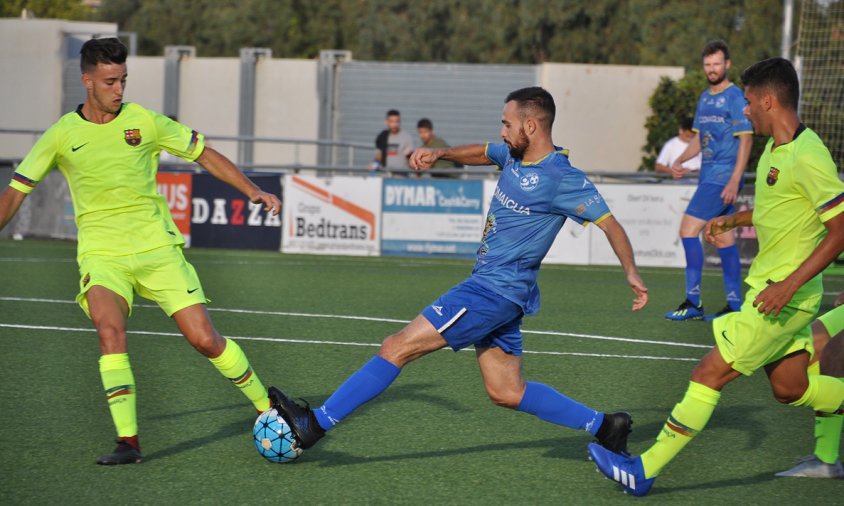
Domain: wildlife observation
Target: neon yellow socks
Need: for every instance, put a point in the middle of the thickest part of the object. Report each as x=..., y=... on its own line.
x=119, y=385
x=687, y=419
x=233, y=364
x=825, y=394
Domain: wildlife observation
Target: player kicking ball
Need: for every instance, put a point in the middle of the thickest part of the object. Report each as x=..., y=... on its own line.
x=537, y=191
x=108, y=151
x=799, y=220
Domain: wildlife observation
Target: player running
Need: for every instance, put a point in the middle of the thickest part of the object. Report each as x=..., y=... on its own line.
x=537, y=191
x=723, y=138
x=827, y=332
x=799, y=220
x=108, y=150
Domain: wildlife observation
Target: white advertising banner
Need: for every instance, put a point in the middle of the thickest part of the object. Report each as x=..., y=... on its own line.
x=332, y=216
x=651, y=215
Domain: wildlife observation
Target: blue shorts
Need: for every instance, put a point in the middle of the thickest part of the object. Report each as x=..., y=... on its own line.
x=471, y=314
x=706, y=203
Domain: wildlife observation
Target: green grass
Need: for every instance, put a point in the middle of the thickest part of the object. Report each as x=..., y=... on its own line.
x=432, y=438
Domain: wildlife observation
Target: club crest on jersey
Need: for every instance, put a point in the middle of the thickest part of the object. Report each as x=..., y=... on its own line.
x=132, y=136
x=773, y=174
x=529, y=181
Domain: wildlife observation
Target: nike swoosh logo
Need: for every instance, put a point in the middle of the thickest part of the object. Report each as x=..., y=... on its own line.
x=191, y=291
x=724, y=335
x=75, y=148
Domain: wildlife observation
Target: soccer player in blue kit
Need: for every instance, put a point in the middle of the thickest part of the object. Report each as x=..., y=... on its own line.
x=531, y=202
x=723, y=136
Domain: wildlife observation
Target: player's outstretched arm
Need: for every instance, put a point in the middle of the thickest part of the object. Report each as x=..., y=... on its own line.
x=223, y=169
x=10, y=202
x=779, y=292
x=467, y=154
x=620, y=243
x=721, y=224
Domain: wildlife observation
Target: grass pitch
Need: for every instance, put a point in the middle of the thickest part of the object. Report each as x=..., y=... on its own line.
x=306, y=323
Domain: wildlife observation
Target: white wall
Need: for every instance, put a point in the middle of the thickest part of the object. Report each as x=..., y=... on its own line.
x=31, y=56
x=601, y=111
x=208, y=98
x=287, y=105
x=145, y=84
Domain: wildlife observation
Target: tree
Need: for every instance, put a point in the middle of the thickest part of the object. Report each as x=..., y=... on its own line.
x=47, y=9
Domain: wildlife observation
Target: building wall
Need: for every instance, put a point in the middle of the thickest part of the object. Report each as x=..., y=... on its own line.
x=601, y=111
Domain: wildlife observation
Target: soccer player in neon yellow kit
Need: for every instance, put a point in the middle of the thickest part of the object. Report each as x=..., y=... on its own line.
x=108, y=150
x=799, y=220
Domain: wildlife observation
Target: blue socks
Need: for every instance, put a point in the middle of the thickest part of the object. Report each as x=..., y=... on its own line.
x=694, y=268
x=364, y=385
x=731, y=265
x=550, y=405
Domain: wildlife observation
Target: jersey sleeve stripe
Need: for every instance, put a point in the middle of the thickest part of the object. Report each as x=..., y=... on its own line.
x=830, y=204
x=743, y=132
x=602, y=218
x=20, y=178
x=193, y=140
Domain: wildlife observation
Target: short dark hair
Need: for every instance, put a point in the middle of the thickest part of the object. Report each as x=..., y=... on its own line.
x=106, y=50
x=425, y=123
x=713, y=46
x=538, y=100
x=686, y=123
x=777, y=75
x=393, y=112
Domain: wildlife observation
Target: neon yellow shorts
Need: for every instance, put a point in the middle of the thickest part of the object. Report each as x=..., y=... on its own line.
x=748, y=339
x=161, y=275
x=833, y=321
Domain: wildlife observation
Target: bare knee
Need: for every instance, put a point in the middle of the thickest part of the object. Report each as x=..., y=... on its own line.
x=112, y=336
x=506, y=397
x=394, y=351
x=791, y=392
x=207, y=341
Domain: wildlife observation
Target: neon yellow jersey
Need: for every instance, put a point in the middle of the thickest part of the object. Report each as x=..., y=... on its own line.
x=111, y=170
x=797, y=190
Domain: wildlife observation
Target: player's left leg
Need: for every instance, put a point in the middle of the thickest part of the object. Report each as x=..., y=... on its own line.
x=165, y=276
x=502, y=376
x=731, y=268
x=225, y=354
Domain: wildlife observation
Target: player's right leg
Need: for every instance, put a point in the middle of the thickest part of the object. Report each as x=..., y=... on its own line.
x=825, y=462
x=691, y=308
x=415, y=340
x=108, y=311
x=502, y=375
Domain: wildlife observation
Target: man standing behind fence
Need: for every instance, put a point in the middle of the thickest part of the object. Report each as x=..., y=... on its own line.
x=109, y=150
x=393, y=146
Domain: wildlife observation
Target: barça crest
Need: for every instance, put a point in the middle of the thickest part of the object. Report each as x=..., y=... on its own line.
x=132, y=136
x=773, y=174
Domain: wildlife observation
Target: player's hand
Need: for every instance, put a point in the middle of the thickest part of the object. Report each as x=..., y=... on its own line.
x=639, y=289
x=730, y=193
x=717, y=226
x=270, y=201
x=423, y=158
x=678, y=171
x=774, y=297
x=839, y=300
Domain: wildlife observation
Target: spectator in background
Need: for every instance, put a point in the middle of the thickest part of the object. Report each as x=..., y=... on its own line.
x=675, y=146
x=393, y=146
x=429, y=140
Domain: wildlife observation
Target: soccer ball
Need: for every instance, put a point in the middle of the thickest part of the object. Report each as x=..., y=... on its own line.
x=274, y=439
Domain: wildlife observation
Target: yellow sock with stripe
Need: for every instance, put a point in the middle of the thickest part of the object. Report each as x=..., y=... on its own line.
x=233, y=364
x=828, y=428
x=119, y=385
x=687, y=419
x=825, y=394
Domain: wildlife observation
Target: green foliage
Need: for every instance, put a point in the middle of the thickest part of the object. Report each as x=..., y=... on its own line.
x=47, y=9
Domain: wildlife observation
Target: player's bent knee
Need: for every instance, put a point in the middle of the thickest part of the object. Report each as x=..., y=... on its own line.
x=508, y=399
x=789, y=394
x=210, y=344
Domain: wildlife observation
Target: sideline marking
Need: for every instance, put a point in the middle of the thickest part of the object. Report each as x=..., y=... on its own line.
x=340, y=343
x=390, y=320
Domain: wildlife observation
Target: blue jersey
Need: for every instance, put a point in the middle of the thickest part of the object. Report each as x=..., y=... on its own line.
x=530, y=204
x=720, y=119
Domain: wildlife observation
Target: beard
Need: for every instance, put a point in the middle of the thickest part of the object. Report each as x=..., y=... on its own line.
x=717, y=80
x=518, y=149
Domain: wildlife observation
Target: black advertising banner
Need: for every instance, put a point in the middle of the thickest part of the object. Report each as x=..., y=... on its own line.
x=223, y=217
